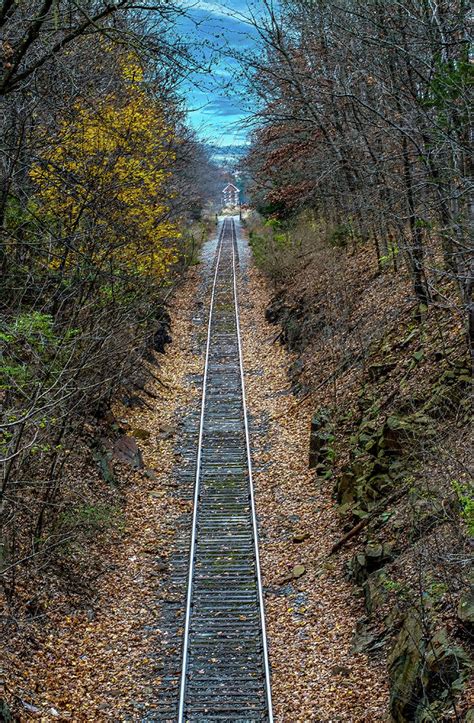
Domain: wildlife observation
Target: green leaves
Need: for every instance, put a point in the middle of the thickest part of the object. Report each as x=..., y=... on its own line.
x=465, y=495
x=450, y=81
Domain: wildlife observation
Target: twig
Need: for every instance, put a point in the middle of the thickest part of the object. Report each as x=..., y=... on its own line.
x=160, y=381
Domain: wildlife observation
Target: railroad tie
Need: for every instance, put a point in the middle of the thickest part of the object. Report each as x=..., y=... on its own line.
x=225, y=672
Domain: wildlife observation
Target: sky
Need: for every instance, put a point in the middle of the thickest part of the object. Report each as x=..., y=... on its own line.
x=217, y=102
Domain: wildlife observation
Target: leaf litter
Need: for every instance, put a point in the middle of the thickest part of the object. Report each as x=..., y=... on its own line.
x=96, y=663
x=311, y=609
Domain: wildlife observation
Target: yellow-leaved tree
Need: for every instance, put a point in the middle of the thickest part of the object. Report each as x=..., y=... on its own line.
x=102, y=183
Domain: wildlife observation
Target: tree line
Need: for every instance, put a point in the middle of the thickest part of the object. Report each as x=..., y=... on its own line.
x=364, y=119
x=100, y=177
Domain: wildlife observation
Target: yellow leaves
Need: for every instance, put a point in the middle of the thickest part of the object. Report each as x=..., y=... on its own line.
x=107, y=173
x=131, y=68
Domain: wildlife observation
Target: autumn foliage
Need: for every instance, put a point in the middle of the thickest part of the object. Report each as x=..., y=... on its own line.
x=115, y=159
x=363, y=121
x=98, y=199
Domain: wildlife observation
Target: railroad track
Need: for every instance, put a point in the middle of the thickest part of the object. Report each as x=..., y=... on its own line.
x=225, y=672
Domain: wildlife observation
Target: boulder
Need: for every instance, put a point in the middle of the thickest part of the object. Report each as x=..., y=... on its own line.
x=466, y=607
x=425, y=674
x=373, y=558
x=126, y=450
x=299, y=537
x=298, y=571
x=142, y=434
x=404, y=665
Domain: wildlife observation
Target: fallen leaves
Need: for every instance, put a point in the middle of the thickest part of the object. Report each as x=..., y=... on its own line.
x=311, y=610
x=99, y=660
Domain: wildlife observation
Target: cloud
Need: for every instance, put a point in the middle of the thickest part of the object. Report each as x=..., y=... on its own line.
x=218, y=9
x=223, y=107
x=216, y=101
x=213, y=8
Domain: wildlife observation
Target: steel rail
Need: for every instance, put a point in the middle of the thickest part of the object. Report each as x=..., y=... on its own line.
x=206, y=516
x=184, y=663
x=268, y=688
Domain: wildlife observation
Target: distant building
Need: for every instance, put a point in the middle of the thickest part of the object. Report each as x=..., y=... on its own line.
x=230, y=195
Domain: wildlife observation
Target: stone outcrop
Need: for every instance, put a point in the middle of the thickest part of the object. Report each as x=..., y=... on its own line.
x=426, y=671
x=127, y=451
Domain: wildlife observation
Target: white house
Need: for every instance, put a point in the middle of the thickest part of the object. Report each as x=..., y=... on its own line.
x=230, y=195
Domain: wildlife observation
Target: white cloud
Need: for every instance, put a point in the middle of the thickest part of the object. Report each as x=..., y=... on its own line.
x=213, y=8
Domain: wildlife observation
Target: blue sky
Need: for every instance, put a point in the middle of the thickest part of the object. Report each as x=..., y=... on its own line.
x=217, y=102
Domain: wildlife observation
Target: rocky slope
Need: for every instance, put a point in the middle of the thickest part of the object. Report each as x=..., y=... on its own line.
x=391, y=441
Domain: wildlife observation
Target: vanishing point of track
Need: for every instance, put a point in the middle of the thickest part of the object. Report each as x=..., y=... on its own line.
x=225, y=672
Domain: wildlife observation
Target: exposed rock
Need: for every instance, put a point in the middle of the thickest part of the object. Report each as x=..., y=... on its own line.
x=366, y=639
x=126, y=450
x=301, y=536
x=373, y=558
x=298, y=571
x=142, y=434
x=466, y=607
x=445, y=668
x=363, y=641
x=404, y=665
x=375, y=552
x=345, y=487
x=375, y=593
x=5, y=713
x=427, y=514
x=448, y=392
x=276, y=310
x=318, y=438
x=425, y=675
x=377, y=371
x=391, y=436
x=299, y=322
x=102, y=457
x=162, y=336
x=132, y=401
